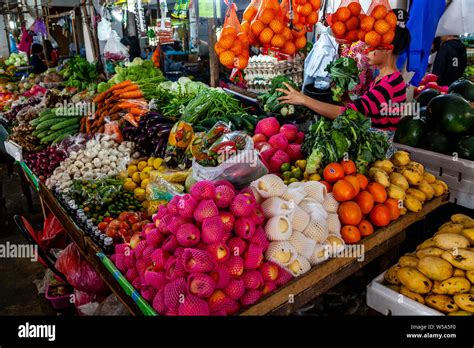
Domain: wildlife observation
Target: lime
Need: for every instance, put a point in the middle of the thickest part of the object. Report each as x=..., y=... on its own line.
x=301, y=164
x=285, y=167
x=286, y=182
x=286, y=175
x=292, y=180
x=297, y=173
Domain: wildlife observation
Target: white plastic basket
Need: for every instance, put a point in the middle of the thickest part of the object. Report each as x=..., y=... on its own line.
x=456, y=172
x=389, y=302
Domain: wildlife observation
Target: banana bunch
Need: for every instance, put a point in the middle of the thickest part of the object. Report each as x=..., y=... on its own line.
x=406, y=180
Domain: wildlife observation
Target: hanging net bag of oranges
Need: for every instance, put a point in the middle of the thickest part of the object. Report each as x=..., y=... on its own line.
x=306, y=12
x=249, y=15
x=346, y=22
x=380, y=25
x=294, y=32
x=268, y=25
x=232, y=47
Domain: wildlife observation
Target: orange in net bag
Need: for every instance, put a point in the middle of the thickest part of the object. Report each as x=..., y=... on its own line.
x=306, y=12
x=232, y=47
x=380, y=25
x=346, y=22
x=267, y=23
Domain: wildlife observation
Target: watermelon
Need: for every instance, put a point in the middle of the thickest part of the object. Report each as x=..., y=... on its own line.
x=452, y=113
x=425, y=97
x=463, y=87
x=465, y=147
x=409, y=131
x=436, y=142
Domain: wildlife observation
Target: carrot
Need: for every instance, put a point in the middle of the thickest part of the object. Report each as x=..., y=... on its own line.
x=83, y=124
x=100, y=97
x=137, y=111
x=128, y=105
x=120, y=85
x=131, y=119
x=132, y=95
x=130, y=88
x=116, y=108
x=88, y=125
x=115, y=116
x=101, y=129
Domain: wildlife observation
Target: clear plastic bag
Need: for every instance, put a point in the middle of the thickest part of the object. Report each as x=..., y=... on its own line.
x=114, y=50
x=79, y=273
x=104, y=30
x=240, y=169
x=111, y=306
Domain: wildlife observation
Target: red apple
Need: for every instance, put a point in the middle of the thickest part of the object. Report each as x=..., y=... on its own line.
x=258, y=138
x=219, y=250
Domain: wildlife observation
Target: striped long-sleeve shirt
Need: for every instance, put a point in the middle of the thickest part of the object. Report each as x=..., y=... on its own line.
x=382, y=103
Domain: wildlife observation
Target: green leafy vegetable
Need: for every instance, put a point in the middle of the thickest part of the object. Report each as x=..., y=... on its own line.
x=345, y=76
x=270, y=99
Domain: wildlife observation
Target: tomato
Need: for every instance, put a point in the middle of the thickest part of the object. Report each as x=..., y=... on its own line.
x=102, y=226
x=124, y=224
x=114, y=224
x=111, y=233
x=124, y=232
x=108, y=219
x=133, y=219
x=137, y=226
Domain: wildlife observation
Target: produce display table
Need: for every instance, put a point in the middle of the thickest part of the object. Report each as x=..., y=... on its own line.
x=287, y=299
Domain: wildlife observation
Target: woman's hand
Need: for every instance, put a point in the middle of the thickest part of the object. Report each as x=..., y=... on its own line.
x=292, y=96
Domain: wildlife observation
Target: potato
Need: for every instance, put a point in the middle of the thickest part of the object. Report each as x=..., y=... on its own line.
x=413, y=295
x=412, y=175
x=426, y=244
x=418, y=166
x=400, y=158
x=459, y=273
x=442, y=303
x=462, y=219
x=391, y=276
x=427, y=190
x=416, y=193
x=442, y=183
x=436, y=289
x=414, y=280
x=431, y=251
x=396, y=192
x=399, y=180
x=435, y=268
x=395, y=288
x=438, y=189
x=449, y=241
x=460, y=313
x=465, y=302
x=460, y=258
x=455, y=285
x=379, y=176
x=430, y=178
x=386, y=165
x=409, y=261
x=470, y=276
x=450, y=227
x=412, y=203
x=469, y=234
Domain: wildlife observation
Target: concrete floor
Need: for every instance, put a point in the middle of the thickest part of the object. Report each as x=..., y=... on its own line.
x=18, y=293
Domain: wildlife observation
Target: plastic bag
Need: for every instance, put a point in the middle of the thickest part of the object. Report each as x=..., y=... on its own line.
x=323, y=52
x=232, y=47
x=111, y=306
x=306, y=12
x=346, y=21
x=104, y=30
x=240, y=169
x=79, y=273
x=26, y=40
x=250, y=12
x=114, y=50
x=112, y=128
x=53, y=234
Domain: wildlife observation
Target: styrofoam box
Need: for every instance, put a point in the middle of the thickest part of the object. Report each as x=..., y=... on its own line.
x=456, y=172
x=389, y=302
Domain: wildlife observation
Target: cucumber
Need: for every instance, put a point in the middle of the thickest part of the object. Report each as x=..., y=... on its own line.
x=66, y=123
x=236, y=120
x=252, y=119
x=64, y=135
x=42, y=133
x=35, y=122
x=49, y=116
x=48, y=123
x=51, y=137
x=208, y=123
x=247, y=125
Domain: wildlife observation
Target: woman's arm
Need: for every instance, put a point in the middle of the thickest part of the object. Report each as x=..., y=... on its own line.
x=294, y=97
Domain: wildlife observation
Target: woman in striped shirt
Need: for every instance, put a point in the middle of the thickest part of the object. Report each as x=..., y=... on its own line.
x=382, y=102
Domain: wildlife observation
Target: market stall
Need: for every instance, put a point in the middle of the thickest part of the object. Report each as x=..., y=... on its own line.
x=186, y=199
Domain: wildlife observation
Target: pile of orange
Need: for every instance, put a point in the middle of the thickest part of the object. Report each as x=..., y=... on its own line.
x=306, y=12
x=379, y=27
x=233, y=48
x=363, y=205
x=346, y=22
